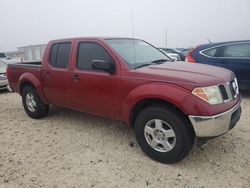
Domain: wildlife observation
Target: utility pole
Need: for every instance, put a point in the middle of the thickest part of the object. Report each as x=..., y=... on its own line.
x=166, y=37
x=132, y=24
x=133, y=33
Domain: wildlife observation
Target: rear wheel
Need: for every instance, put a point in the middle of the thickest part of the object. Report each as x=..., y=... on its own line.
x=164, y=134
x=32, y=103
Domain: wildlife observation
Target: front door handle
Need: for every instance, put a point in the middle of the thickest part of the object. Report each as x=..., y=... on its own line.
x=75, y=77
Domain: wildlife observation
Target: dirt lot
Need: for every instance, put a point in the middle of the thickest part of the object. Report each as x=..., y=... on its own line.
x=73, y=149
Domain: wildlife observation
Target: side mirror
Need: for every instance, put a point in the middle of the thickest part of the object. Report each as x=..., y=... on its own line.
x=103, y=65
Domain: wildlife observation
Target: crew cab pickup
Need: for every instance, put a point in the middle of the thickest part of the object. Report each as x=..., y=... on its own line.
x=169, y=104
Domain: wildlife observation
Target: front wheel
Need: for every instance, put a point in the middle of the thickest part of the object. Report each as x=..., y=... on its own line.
x=164, y=134
x=32, y=103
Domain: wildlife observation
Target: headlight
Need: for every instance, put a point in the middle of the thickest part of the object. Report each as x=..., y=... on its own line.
x=210, y=94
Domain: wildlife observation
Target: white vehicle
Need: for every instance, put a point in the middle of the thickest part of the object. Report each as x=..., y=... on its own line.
x=173, y=56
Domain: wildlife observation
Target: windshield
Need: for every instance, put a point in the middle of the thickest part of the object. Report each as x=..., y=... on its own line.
x=136, y=52
x=3, y=67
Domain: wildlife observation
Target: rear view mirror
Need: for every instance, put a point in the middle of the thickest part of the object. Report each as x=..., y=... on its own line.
x=103, y=65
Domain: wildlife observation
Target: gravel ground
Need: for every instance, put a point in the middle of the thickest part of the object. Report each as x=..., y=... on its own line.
x=73, y=149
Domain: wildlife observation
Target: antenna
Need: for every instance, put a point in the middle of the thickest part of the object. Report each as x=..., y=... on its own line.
x=209, y=41
x=166, y=30
x=133, y=36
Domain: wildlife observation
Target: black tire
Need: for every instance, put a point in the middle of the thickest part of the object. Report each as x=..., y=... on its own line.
x=182, y=141
x=40, y=110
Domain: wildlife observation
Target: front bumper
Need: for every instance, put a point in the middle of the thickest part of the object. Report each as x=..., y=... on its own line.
x=212, y=126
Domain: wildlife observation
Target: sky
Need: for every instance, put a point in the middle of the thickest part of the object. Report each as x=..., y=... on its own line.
x=187, y=22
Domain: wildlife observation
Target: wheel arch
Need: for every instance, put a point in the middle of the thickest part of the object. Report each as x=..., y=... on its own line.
x=149, y=94
x=142, y=104
x=24, y=84
x=30, y=79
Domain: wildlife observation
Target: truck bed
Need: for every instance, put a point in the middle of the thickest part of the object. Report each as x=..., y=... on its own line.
x=27, y=63
x=18, y=69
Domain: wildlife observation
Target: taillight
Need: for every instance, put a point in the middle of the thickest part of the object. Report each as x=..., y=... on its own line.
x=189, y=57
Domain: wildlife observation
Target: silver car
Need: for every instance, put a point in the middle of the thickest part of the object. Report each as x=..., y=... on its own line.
x=4, y=84
x=173, y=56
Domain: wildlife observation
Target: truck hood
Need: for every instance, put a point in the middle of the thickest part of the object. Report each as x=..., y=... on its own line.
x=187, y=75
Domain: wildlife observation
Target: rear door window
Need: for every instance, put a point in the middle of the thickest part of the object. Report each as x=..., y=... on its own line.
x=59, y=55
x=210, y=52
x=237, y=50
x=214, y=52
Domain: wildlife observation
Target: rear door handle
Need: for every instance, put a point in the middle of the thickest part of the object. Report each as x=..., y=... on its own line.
x=75, y=77
x=47, y=74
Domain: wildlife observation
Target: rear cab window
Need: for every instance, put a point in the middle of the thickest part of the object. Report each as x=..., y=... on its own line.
x=59, y=55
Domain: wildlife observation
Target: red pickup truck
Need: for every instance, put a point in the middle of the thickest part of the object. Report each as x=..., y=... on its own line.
x=169, y=104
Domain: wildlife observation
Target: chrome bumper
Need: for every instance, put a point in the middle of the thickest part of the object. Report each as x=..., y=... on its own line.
x=211, y=126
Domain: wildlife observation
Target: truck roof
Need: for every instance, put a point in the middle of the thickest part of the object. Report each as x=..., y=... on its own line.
x=91, y=38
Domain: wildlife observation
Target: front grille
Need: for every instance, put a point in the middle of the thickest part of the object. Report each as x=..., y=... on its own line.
x=231, y=87
x=223, y=92
x=3, y=75
x=229, y=90
x=1, y=87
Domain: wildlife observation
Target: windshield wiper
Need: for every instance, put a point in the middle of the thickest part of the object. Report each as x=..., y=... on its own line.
x=159, y=61
x=143, y=65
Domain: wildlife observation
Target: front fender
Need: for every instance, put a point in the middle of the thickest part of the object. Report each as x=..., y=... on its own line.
x=167, y=92
x=34, y=81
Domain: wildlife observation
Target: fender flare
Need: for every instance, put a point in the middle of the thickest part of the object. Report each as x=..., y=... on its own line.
x=35, y=82
x=170, y=93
